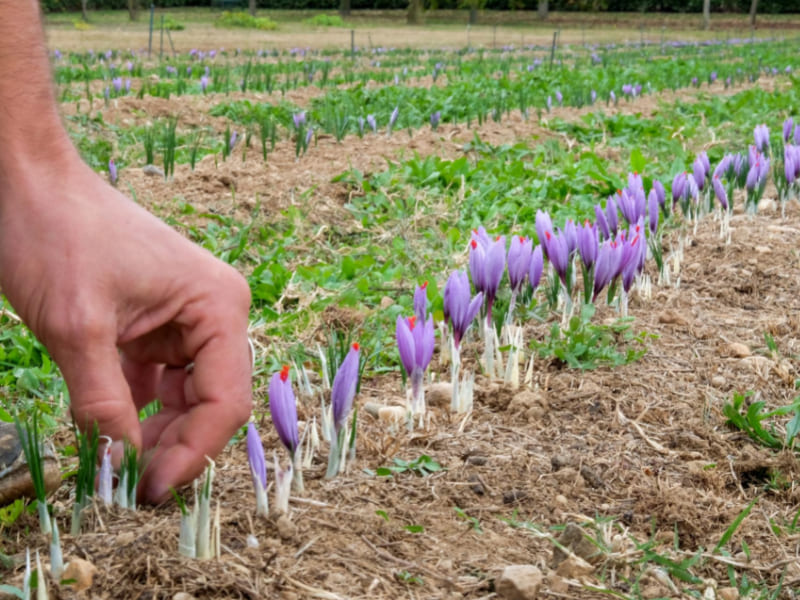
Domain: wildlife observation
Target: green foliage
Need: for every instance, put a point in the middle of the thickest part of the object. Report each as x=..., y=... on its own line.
x=325, y=21
x=422, y=466
x=244, y=20
x=585, y=345
x=751, y=417
x=172, y=24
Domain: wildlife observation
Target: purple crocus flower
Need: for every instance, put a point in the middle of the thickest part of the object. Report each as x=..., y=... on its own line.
x=592, y=96
x=421, y=302
x=698, y=173
x=487, y=262
x=519, y=261
x=602, y=222
x=612, y=96
x=435, y=118
x=609, y=257
x=661, y=194
x=112, y=172
x=679, y=187
x=232, y=140
x=549, y=103
x=559, y=98
x=372, y=123
x=536, y=268
x=299, y=119
x=797, y=134
x=694, y=82
x=719, y=192
x=309, y=135
x=543, y=223
x=587, y=244
x=790, y=164
x=117, y=83
x=627, y=89
x=752, y=177
x=652, y=211
x=393, y=117
x=631, y=261
x=558, y=254
x=255, y=457
x=127, y=86
x=204, y=83
x=459, y=309
x=415, y=343
x=788, y=126
x=761, y=136
x=570, y=233
x=283, y=409
x=344, y=386
x=612, y=217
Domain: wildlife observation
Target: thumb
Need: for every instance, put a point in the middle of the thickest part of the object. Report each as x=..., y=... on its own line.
x=99, y=393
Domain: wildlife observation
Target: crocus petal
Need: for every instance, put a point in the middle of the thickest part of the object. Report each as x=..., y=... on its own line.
x=283, y=409
x=255, y=456
x=537, y=266
x=344, y=387
x=405, y=344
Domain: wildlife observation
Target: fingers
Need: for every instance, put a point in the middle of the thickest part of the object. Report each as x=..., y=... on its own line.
x=217, y=396
x=99, y=392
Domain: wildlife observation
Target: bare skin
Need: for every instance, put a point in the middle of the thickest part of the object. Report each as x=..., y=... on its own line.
x=123, y=303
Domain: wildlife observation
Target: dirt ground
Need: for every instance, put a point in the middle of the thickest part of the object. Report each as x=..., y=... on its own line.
x=639, y=457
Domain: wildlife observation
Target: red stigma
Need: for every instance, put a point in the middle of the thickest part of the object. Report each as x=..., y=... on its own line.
x=637, y=228
x=547, y=235
x=636, y=239
x=497, y=238
x=619, y=192
x=636, y=173
x=412, y=321
x=285, y=373
x=474, y=244
x=424, y=285
x=356, y=346
x=521, y=240
x=587, y=223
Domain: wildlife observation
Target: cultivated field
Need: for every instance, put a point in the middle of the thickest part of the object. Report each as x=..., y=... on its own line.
x=638, y=445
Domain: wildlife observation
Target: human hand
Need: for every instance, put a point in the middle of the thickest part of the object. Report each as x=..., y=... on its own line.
x=124, y=304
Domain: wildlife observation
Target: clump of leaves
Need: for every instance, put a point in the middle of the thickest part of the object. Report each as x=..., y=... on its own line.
x=585, y=345
x=422, y=466
x=751, y=418
x=244, y=20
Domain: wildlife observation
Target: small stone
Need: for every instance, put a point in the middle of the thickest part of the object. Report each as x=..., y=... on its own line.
x=81, y=572
x=439, y=394
x=183, y=596
x=252, y=541
x=386, y=302
x=728, y=593
x=526, y=400
x=476, y=486
x=519, y=582
x=286, y=529
x=392, y=415
x=153, y=171
x=718, y=381
x=557, y=584
x=477, y=460
x=592, y=478
x=561, y=499
x=738, y=350
x=514, y=496
x=574, y=567
x=574, y=539
x=558, y=461
x=671, y=317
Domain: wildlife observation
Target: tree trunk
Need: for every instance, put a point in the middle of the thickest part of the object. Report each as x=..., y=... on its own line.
x=252, y=6
x=706, y=14
x=133, y=9
x=413, y=16
x=753, y=8
x=542, y=10
x=473, y=15
x=344, y=8
x=84, y=10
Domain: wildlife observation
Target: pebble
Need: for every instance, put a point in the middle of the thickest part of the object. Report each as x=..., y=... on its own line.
x=519, y=582
x=286, y=529
x=573, y=538
x=738, y=350
x=728, y=593
x=574, y=567
x=183, y=596
x=718, y=381
x=81, y=572
x=386, y=302
x=439, y=394
x=153, y=170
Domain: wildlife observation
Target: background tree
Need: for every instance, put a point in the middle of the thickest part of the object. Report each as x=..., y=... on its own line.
x=133, y=9
x=252, y=7
x=344, y=8
x=753, y=8
x=706, y=14
x=542, y=9
x=85, y=10
x=414, y=15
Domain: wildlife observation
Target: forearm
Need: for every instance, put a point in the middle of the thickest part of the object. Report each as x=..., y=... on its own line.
x=30, y=128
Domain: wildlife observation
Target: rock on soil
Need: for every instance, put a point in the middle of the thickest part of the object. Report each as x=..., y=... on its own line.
x=519, y=582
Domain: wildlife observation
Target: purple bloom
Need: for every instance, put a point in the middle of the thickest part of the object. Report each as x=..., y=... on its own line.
x=415, y=343
x=627, y=89
x=537, y=266
x=661, y=195
x=694, y=81
x=421, y=301
x=631, y=261
x=283, y=408
x=719, y=192
x=309, y=135
x=652, y=211
x=558, y=254
x=519, y=261
x=592, y=96
x=435, y=118
x=761, y=136
x=112, y=171
x=602, y=222
x=459, y=309
x=393, y=117
x=549, y=103
x=204, y=83
x=679, y=187
x=255, y=456
x=609, y=257
x=797, y=134
x=117, y=83
x=611, y=216
x=127, y=86
x=232, y=140
x=299, y=119
x=559, y=98
x=612, y=96
x=487, y=261
x=698, y=172
x=570, y=233
x=543, y=223
x=788, y=126
x=372, y=123
x=344, y=387
x=588, y=244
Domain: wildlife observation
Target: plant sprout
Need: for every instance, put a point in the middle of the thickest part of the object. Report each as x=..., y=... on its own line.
x=84, y=481
x=30, y=435
x=343, y=392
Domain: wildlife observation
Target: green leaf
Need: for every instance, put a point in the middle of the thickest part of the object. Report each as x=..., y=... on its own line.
x=414, y=528
x=638, y=161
